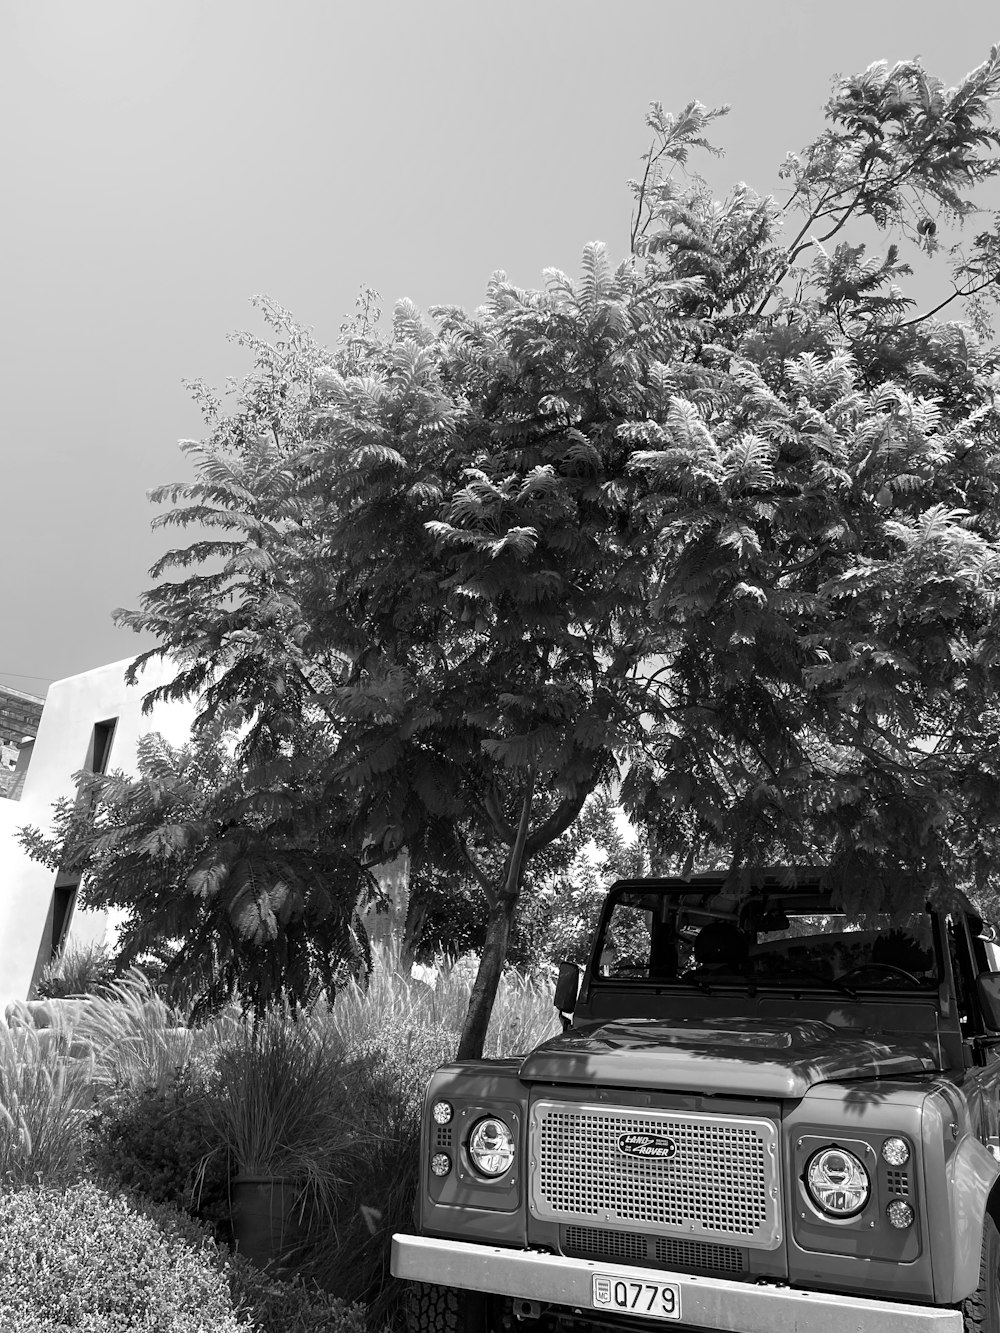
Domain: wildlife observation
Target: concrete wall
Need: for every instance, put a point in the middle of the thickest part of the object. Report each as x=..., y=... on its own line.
x=63, y=746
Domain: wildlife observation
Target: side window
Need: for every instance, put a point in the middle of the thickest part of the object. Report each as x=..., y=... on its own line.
x=965, y=969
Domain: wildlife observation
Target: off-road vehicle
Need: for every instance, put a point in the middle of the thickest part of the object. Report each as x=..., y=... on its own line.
x=766, y=1115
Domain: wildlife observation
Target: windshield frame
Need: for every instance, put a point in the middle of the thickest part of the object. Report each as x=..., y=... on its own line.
x=708, y=896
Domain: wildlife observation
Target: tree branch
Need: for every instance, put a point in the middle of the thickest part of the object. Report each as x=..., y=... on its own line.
x=971, y=291
x=496, y=816
x=561, y=818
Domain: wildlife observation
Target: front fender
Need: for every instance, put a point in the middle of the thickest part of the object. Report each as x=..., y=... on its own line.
x=971, y=1173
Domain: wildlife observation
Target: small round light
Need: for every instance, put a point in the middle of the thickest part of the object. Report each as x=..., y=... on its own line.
x=896, y=1152
x=440, y=1164
x=491, y=1146
x=442, y=1112
x=837, y=1182
x=900, y=1214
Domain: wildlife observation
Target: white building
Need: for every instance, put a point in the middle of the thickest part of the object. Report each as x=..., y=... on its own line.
x=91, y=721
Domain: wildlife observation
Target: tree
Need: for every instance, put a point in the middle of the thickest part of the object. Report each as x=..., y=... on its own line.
x=564, y=884
x=653, y=524
x=845, y=452
x=237, y=891
x=439, y=537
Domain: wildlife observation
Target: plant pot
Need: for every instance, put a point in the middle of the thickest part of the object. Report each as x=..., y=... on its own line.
x=266, y=1217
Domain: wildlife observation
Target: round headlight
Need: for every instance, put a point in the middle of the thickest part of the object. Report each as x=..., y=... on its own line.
x=491, y=1146
x=442, y=1112
x=896, y=1151
x=837, y=1182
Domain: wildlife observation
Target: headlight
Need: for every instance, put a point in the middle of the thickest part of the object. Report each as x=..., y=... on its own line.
x=491, y=1146
x=837, y=1182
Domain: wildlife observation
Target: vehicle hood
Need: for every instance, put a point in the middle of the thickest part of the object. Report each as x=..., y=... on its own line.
x=753, y=1057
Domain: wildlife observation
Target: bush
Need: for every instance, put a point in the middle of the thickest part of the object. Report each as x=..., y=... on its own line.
x=392, y=1001
x=279, y=1105
x=386, y=1079
x=136, y=1037
x=85, y=1259
x=80, y=969
x=160, y=1142
x=290, y=1307
x=43, y=1099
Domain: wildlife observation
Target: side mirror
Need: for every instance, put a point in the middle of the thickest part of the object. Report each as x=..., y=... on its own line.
x=988, y=990
x=567, y=987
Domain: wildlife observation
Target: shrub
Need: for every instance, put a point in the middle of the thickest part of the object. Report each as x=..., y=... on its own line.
x=160, y=1142
x=393, y=1034
x=85, y=1259
x=289, y=1307
x=523, y=1014
x=80, y=969
x=43, y=1099
x=136, y=1038
x=386, y=1079
x=279, y=1105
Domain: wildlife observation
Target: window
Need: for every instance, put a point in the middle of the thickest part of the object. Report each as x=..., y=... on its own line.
x=99, y=751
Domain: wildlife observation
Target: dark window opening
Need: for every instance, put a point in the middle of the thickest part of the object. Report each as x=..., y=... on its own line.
x=63, y=902
x=100, y=746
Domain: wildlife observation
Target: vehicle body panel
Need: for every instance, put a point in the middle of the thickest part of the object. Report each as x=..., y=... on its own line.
x=755, y=1056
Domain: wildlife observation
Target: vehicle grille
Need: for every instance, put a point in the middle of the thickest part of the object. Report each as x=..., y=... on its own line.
x=663, y=1251
x=720, y=1181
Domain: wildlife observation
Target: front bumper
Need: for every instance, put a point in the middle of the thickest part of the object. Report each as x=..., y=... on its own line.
x=709, y=1303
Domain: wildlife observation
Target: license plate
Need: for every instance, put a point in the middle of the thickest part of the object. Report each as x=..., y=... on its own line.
x=652, y=1300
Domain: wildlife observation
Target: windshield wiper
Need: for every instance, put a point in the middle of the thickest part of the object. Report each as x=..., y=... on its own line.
x=722, y=980
x=792, y=969
x=686, y=979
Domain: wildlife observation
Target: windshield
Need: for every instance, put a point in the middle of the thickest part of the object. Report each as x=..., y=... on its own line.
x=793, y=940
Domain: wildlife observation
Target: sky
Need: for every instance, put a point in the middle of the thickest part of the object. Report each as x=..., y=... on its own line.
x=163, y=162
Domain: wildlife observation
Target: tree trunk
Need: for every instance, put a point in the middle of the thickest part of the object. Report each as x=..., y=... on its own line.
x=501, y=918
x=484, y=990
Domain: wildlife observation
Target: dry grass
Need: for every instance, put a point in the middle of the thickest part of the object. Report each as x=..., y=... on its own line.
x=137, y=1040
x=394, y=1002
x=80, y=969
x=44, y=1097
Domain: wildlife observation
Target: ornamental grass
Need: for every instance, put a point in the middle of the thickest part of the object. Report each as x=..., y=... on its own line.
x=44, y=1100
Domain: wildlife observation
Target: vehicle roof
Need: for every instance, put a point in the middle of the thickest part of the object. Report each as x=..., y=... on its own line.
x=769, y=881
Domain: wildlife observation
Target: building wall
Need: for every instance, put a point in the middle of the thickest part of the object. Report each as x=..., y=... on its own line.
x=19, y=717
x=80, y=714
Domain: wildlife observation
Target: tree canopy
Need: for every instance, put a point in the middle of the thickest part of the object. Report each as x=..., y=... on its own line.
x=227, y=890
x=717, y=525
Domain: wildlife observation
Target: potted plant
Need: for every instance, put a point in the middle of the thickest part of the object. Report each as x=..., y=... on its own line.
x=273, y=1108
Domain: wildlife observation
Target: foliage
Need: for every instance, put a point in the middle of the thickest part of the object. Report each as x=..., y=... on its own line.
x=290, y=1306
x=278, y=1107
x=161, y=1142
x=79, y=969
x=393, y=1036
x=395, y=1006
x=136, y=1039
x=83, y=1258
x=44, y=1097
x=563, y=885
x=385, y=1075
x=722, y=518
x=260, y=903
x=556, y=921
